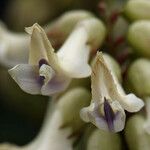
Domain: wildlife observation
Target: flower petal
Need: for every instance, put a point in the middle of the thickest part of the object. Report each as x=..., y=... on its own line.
x=119, y=121
x=41, y=48
x=56, y=84
x=47, y=72
x=74, y=54
x=131, y=103
x=112, y=88
x=101, y=121
x=37, y=47
x=27, y=77
x=98, y=85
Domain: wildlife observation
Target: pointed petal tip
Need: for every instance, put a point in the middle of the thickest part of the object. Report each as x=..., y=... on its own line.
x=29, y=30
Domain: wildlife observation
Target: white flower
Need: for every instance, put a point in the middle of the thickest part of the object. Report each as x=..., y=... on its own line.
x=109, y=101
x=48, y=72
x=14, y=46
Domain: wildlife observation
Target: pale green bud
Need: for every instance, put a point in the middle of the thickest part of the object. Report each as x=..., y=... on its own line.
x=120, y=28
x=26, y=12
x=135, y=134
x=60, y=29
x=138, y=77
x=139, y=37
x=102, y=140
x=137, y=9
x=70, y=105
x=96, y=31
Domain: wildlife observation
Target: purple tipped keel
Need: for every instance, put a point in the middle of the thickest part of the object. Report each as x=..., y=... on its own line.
x=109, y=115
x=42, y=62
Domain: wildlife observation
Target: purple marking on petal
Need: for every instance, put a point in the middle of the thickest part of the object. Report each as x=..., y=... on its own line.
x=42, y=61
x=109, y=114
x=41, y=80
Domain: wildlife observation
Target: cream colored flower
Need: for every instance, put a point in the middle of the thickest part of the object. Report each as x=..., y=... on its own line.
x=48, y=72
x=109, y=101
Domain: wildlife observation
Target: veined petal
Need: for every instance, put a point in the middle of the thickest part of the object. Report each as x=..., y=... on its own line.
x=69, y=59
x=98, y=78
x=56, y=84
x=37, y=47
x=41, y=48
x=74, y=54
x=113, y=89
x=27, y=77
x=105, y=73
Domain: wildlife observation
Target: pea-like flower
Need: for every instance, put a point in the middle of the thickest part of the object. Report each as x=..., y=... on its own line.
x=48, y=72
x=14, y=46
x=109, y=101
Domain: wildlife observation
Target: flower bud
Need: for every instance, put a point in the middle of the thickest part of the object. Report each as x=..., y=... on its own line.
x=70, y=105
x=102, y=140
x=60, y=29
x=138, y=77
x=96, y=31
x=139, y=37
x=135, y=135
x=120, y=28
x=137, y=9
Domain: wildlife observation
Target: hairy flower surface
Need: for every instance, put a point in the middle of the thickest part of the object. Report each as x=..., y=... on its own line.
x=109, y=101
